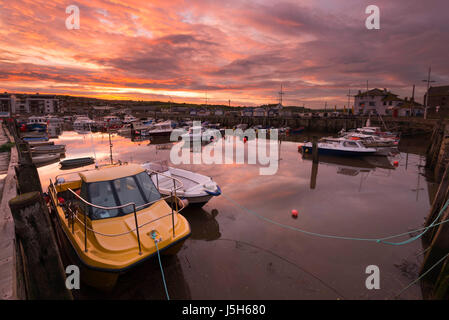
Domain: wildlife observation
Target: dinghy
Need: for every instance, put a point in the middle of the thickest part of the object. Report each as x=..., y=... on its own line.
x=196, y=188
x=32, y=139
x=76, y=162
x=48, y=149
x=40, y=143
x=45, y=158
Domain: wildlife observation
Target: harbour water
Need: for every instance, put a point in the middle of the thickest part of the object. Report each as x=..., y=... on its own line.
x=234, y=253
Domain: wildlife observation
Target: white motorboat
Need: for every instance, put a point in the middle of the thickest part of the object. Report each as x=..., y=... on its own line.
x=160, y=129
x=340, y=147
x=83, y=123
x=196, y=188
x=129, y=118
x=202, y=134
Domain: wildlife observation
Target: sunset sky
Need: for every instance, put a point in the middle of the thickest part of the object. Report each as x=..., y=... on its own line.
x=231, y=49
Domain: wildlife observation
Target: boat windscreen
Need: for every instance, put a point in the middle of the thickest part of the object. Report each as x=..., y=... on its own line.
x=138, y=189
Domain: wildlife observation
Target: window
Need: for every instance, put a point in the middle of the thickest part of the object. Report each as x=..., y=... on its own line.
x=350, y=144
x=138, y=189
x=372, y=104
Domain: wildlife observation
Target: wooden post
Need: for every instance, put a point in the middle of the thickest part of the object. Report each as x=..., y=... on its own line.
x=314, y=175
x=438, y=248
x=439, y=200
x=44, y=273
x=28, y=178
x=315, y=149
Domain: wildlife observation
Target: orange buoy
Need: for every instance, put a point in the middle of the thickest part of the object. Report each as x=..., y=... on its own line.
x=295, y=213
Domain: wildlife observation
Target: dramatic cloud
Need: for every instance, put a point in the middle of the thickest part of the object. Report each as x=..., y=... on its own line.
x=235, y=49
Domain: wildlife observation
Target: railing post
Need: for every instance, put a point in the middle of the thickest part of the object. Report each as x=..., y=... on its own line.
x=176, y=197
x=172, y=215
x=137, y=228
x=85, y=231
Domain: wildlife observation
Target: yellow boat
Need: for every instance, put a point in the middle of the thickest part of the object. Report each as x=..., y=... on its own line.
x=110, y=219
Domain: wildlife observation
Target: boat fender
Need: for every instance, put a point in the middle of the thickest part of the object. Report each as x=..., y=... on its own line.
x=184, y=202
x=61, y=201
x=396, y=163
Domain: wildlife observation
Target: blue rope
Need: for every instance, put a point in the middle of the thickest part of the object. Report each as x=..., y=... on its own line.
x=153, y=235
x=379, y=240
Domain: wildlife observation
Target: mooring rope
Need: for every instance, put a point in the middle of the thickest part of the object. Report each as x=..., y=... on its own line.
x=377, y=240
x=421, y=276
x=153, y=236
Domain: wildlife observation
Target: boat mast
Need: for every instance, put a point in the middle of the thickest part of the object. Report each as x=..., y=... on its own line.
x=110, y=143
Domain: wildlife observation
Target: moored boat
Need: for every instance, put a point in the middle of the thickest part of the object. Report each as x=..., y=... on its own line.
x=196, y=188
x=111, y=219
x=339, y=147
x=45, y=158
x=77, y=162
x=48, y=149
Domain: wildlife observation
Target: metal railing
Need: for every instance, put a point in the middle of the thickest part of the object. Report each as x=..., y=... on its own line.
x=73, y=216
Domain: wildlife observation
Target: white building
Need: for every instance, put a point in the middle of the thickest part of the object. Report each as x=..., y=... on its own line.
x=42, y=104
x=36, y=104
x=376, y=101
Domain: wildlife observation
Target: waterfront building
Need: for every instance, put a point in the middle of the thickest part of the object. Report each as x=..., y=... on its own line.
x=438, y=101
x=35, y=104
x=376, y=101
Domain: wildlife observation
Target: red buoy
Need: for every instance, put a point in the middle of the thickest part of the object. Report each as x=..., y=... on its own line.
x=396, y=163
x=295, y=213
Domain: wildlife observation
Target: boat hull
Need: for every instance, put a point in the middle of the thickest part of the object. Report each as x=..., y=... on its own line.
x=336, y=152
x=101, y=279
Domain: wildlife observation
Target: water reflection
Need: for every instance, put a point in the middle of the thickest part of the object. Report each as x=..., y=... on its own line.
x=144, y=282
x=356, y=197
x=352, y=166
x=203, y=224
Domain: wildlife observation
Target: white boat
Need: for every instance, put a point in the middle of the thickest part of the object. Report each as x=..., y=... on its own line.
x=83, y=123
x=45, y=158
x=129, y=118
x=35, y=123
x=160, y=129
x=340, y=147
x=196, y=188
x=202, y=134
x=54, y=130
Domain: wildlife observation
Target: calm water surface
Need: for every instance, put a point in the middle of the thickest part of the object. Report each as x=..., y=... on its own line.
x=232, y=254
